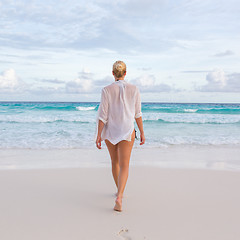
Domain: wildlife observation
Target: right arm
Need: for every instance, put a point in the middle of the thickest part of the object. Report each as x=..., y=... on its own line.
x=140, y=127
x=138, y=117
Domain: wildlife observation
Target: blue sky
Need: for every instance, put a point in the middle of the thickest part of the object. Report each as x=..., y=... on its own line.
x=175, y=51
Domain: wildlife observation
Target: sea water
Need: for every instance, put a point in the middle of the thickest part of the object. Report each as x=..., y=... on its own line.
x=67, y=125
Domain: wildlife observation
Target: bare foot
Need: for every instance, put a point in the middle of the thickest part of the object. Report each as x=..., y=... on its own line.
x=118, y=204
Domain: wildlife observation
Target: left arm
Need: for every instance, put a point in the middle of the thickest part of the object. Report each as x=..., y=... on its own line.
x=138, y=117
x=102, y=117
x=100, y=128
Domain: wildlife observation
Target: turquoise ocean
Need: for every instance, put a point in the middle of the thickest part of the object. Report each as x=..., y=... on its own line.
x=72, y=125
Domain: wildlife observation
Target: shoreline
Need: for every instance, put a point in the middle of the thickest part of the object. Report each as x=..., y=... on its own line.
x=224, y=157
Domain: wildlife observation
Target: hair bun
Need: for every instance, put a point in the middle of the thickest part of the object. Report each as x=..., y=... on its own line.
x=119, y=67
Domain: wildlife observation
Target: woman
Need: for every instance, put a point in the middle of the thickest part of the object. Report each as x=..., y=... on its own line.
x=120, y=105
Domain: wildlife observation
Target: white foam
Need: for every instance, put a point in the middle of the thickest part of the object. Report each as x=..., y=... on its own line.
x=190, y=110
x=45, y=119
x=192, y=118
x=85, y=108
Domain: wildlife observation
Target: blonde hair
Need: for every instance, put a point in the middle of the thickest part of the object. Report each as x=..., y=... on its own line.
x=119, y=68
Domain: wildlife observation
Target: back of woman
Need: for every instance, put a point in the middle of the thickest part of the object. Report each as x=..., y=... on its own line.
x=120, y=105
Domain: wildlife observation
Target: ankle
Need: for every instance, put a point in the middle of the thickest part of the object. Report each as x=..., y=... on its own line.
x=119, y=196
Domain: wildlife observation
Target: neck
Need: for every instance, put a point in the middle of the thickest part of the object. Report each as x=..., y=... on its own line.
x=117, y=79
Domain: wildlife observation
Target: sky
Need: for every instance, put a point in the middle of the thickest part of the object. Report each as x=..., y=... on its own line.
x=175, y=51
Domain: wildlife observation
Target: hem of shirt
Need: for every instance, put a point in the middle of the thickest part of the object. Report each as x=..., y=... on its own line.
x=104, y=121
x=121, y=139
x=138, y=115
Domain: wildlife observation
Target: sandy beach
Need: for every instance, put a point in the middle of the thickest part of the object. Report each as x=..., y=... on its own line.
x=76, y=73
x=159, y=203
x=182, y=156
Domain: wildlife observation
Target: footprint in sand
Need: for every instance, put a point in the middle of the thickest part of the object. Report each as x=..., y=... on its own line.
x=123, y=233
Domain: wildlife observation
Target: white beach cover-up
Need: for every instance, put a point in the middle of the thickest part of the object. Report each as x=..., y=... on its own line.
x=120, y=105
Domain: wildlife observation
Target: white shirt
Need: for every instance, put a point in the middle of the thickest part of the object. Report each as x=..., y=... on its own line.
x=120, y=105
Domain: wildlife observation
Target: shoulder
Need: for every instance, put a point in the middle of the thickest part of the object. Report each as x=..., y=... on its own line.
x=108, y=87
x=133, y=87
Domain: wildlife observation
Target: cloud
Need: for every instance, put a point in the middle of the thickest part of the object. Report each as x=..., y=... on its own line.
x=219, y=81
x=41, y=91
x=145, y=68
x=100, y=83
x=224, y=54
x=56, y=81
x=2, y=61
x=141, y=8
x=125, y=26
x=49, y=24
x=79, y=86
x=82, y=84
x=147, y=83
x=196, y=71
x=86, y=84
x=10, y=82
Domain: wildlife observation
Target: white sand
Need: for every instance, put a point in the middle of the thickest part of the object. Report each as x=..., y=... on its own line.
x=168, y=204
x=182, y=156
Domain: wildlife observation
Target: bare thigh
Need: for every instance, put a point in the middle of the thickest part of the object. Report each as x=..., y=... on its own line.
x=124, y=150
x=113, y=151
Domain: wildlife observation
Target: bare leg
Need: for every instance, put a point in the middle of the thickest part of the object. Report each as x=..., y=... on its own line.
x=113, y=151
x=124, y=150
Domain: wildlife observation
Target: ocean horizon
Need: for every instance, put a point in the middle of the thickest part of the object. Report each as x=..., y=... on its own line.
x=160, y=102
